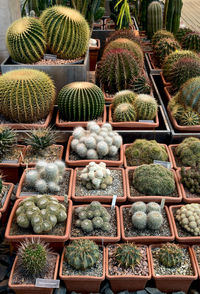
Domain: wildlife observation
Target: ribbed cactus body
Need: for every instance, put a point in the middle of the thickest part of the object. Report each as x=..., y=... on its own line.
x=190, y=94
x=170, y=255
x=164, y=47
x=25, y=40
x=80, y=101
x=67, y=32
x=26, y=95
x=124, y=33
x=124, y=96
x=154, y=18
x=162, y=34
x=146, y=107
x=181, y=33
x=173, y=15
x=190, y=118
x=141, y=85
x=192, y=42
x=143, y=12
x=124, y=112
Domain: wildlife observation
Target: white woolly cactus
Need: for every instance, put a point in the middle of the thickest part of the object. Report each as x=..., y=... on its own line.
x=96, y=142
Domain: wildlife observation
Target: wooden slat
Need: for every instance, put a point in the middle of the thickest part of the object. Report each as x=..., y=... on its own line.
x=191, y=14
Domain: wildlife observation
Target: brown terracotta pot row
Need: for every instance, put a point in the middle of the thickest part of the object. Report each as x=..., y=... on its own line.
x=4, y=210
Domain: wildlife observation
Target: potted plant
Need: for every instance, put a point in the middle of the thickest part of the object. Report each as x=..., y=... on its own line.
x=173, y=267
x=82, y=266
x=146, y=223
x=6, y=190
x=94, y=49
x=34, y=260
x=127, y=266
x=96, y=182
x=95, y=222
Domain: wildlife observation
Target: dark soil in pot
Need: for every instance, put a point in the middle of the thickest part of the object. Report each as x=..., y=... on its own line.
x=189, y=194
x=73, y=156
x=12, y=156
x=3, y=194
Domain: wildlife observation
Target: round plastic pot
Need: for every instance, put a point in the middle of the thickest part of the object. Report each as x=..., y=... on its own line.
x=5, y=208
x=165, y=84
x=93, y=53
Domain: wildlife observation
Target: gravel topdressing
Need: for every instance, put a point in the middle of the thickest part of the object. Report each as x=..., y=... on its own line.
x=14, y=154
x=73, y=156
x=48, y=154
x=197, y=252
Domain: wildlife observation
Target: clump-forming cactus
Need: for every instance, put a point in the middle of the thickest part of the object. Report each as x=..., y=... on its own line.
x=41, y=213
x=25, y=40
x=170, y=255
x=164, y=47
x=124, y=112
x=67, y=32
x=80, y=101
x=191, y=41
x=96, y=142
x=146, y=107
x=161, y=34
x=26, y=95
x=7, y=141
x=154, y=18
x=190, y=178
x=188, y=217
x=96, y=176
x=128, y=255
x=124, y=96
x=189, y=151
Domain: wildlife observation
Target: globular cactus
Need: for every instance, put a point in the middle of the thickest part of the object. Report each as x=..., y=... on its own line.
x=146, y=107
x=189, y=94
x=153, y=179
x=7, y=141
x=141, y=85
x=192, y=42
x=125, y=34
x=181, y=33
x=139, y=220
x=153, y=206
x=82, y=254
x=128, y=255
x=154, y=220
x=170, y=255
x=188, y=218
x=189, y=151
x=25, y=40
x=124, y=112
x=40, y=139
x=124, y=96
x=154, y=18
x=164, y=47
x=138, y=206
x=80, y=101
x=176, y=108
x=173, y=15
x=26, y=95
x=190, y=178
x=161, y=34
x=189, y=118
x=67, y=32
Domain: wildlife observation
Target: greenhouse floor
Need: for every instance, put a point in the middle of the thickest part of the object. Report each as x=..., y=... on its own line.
x=190, y=14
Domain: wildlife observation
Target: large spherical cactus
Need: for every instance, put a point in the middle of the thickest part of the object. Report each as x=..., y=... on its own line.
x=154, y=18
x=146, y=107
x=189, y=94
x=67, y=31
x=26, y=95
x=80, y=101
x=192, y=41
x=25, y=40
x=124, y=112
x=161, y=34
x=124, y=96
x=164, y=47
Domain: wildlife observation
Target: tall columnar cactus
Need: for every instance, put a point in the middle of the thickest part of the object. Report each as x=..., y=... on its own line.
x=26, y=95
x=124, y=112
x=146, y=107
x=128, y=255
x=80, y=101
x=154, y=18
x=181, y=33
x=162, y=34
x=164, y=47
x=67, y=32
x=170, y=255
x=173, y=15
x=143, y=13
x=25, y=40
x=191, y=41
x=124, y=96
x=189, y=94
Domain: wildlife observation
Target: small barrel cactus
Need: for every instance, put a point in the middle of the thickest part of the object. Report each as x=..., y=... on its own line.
x=154, y=220
x=153, y=206
x=191, y=41
x=189, y=151
x=154, y=18
x=164, y=47
x=170, y=255
x=141, y=85
x=125, y=34
x=189, y=118
x=189, y=94
x=161, y=34
x=124, y=96
x=146, y=107
x=128, y=255
x=139, y=220
x=181, y=33
x=7, y=141
x=124, y=112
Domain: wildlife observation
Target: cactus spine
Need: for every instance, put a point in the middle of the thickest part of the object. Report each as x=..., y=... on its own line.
x=170, y=255
x=173, y=15
x=189, y=94
x=128, y=255
x=162, y=34
x=124, y=96
x=124, y=112
x=146, y=107
x=164, y=47
x=154, y=19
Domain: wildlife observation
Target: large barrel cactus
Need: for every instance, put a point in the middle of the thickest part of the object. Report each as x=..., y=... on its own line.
x=154, y=18
x=164, y=47
x=192, y=41
x=67, y=32
x=25, y=40
x=189, y=94
x=26, y=95
x=80, y=101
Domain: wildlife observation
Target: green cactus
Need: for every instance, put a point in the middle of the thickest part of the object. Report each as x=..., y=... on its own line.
x=139, y=220
x=7, y=140
x=188, y=218
x=154, y=220
x=189, y=94
x=189, y=151
x=181, y=33
x=124, y=112
x=164, y=47
x=190, y=179
x=67, y=32
x=173, y=15
x=82, y=254
x=192, y=42
x=153, y=179
x=25, y=40
x=170, y=255
x=124, y=96
x=143, y=151
x=161, y=34
x=153, y=206
x=125, y=34
x=146, y=107
x=189, y=118
x=80, y=101
x=154, y=18
x=141, y=85
x=138, y=206
x=128, y=255
x=176, y=108
x=40, y=139
x=26, y=95
x=143, y=13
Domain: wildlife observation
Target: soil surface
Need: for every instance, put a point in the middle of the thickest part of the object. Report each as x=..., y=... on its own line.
x=49, y=154
x=14, y=154
x=3, y=194
x=74, y=156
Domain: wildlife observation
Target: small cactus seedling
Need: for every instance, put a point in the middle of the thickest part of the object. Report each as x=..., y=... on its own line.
x=39, y=139
x=128, y=255
x=191, y=179
x=139, y=220
x=7, y=140
x=170, y=255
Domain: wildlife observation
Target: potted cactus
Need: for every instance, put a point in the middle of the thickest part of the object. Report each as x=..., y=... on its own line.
x=82, y=266
x=94, y=49
x=6, y=190
x=146, y=223
x=127, y=266
x=34, y=260
x=173, y=267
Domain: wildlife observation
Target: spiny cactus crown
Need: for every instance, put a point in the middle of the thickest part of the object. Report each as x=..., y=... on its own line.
x=7, y=140
x=124, y=33
x=170, y=255
x=40, y=139
x=164, y=47
x=189, y=151
x=146, y=107
x=124, y=112
x=124, y=96
x=161, y=34
x=181, y=33
x=191, y=41
x=140, y=84
x=128, y=255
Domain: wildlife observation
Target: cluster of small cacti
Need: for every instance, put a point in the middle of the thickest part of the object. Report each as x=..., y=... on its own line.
x=26, y=95
x=146, y=215
x=143, y=151
x=164, y=47
x=80, y=101
x=40, y=139
x=96, y=176
x=188, y=218
x=189, y=152
x=154, y=18
x=161, y=34
x=82, y=254
x=153, y=179
x=91, y=217
x=170, y=255
x=41, y=212
x=127, y=255
x=190, y=178
x=96, y=142
x=181, y=33
x=191, y=41
x=7, y=140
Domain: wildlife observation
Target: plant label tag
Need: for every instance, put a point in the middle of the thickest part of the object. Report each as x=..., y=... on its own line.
x=162, y=203
x=10, y=161
x=102, y=242
x=166, y=164
x=113, y=201
x=47, y=283
x=28, y=194
x=22, y=156
x=50, y=56
x=146, y=121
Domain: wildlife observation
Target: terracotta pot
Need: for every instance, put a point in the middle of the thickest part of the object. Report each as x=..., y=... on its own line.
x=148, y=198
x=100, y=239
x=5, y=208
x=94, y=52
x=173, y=283
x=107, y=96
x=10, y=170
x=102, y=199
x=146, y=239
x=32, y=164
x=150, y=55
x=171, y=147
x=127, y=145
x=132, y=124
x=195, y=260
x=131, y=283
x=167, y=92
x=22, y=180
x=165, y=84
x=83, y=284
x=73, y=124
x=30, y=288
x=55, y=242
x=84, y=162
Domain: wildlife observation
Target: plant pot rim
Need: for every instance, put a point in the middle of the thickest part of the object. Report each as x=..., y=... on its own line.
x=167, y=93
x=84, y=162
x=9, y=193
x=22, y=180
x=17, y=164
x=150, y=54
x=165, y=84
x=147, y=239
x=99, y=197
x=195, y=258
x=97, y=47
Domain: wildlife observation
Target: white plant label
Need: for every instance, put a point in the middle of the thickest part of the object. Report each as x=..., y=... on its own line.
x=162, y=203
x=47, y=283
x=166, y=164
x=113, y=201
x=50, y=56
x=146, y=121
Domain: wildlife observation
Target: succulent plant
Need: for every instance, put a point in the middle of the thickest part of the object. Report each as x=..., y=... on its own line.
x=164, y=47
x=153, y=179
x=189, y=151
x=25, y=40
x=143, y=151
x=124, y=112
x=128, y=255
x=139, y=220
x=125, y=34
x=40, y=139
x=124, y=96
x=191, y=179
x=173, y=15
x=154, y=220
x=189, y=118
x=181, y=33
x=26, y=95
x=170, y=255
x=82, y=254
x=154, y=18
x=140, y=85
x=146, y=107
x=153, y=206
x=7, y=140
x=191, y=41
x=161, y=34
x=80, y=101
x=138, y=206
x=188, y=218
